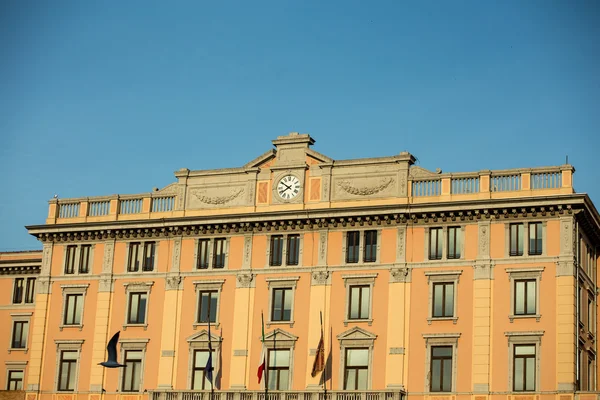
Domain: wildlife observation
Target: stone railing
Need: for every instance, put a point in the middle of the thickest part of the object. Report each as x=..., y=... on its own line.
x=490, y=183
x=109, y=208
x=432, y=187
x=276, y=395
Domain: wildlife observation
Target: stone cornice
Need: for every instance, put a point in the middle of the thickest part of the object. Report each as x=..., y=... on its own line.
x=472, y=211
x=20, y=270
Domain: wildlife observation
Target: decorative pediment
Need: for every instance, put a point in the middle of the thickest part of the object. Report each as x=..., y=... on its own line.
x=356, y=333
x=263, y=158
x=202, y=336
x=420, y=172
x=169, y=189
x=280, y=335
x=318, y=156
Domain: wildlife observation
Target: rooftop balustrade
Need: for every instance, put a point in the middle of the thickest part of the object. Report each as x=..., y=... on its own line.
x=434, y=187
x=276, y=395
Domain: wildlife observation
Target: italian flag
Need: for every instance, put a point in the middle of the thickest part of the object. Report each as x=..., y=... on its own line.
x=263, y=357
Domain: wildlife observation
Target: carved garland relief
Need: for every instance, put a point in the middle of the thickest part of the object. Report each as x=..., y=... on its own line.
x=216, y=200
x=365, y=190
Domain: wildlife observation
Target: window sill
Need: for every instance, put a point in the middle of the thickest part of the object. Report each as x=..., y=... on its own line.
x=289, y=323
x=125, y=326
x=537, y=317
x=24, y=350
x=61, y=327
x=201, y=324
x=433, y=319
x=369, y=321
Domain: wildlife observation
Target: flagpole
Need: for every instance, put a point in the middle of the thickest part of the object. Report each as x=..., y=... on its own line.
x=324, y=373
x=212, y=386
x=262, y=318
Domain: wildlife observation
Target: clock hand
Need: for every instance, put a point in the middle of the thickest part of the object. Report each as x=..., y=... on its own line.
x=288, y=187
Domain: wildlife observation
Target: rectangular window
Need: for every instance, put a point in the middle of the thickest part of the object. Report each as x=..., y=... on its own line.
x=276, y=253
x=441, y=369
x=525, y=301
x=293, y=249
x=516, y=239
x=454, y=242
x=133, y=264
x=524, y=367
x=132, y=373
x=70, y=260
x=281, y=309
x=219, y=253
x=18, y=291
x=84, y=259
x=370, y=246
x=148, y=256
x=15, y=380
x=199, y=380
x=590, y=310
x=203, y=249
x=590, y=368
x=443, y=300
x=30, y=291
x=359, y=302
x=207, y=309
x=535, y=239
x=278, y=369
x=435, y=243
x=137, y=308
x=352, y=246
x=73, y=309
x=67, y=370
x=356, y=370
x=19, y=334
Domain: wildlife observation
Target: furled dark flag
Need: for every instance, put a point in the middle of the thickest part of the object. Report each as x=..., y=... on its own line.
x=208, y=369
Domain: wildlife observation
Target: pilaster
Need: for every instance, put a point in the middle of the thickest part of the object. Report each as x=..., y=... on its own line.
x=40, y=316
x=397, y=327
x=319, y=302
x=242, y=340
x=101, y=324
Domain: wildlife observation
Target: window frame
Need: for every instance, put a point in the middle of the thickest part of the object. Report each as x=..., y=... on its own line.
x=23, y=340
x=25, y=290
x=373, y=235
x=458, y=237
x=279, y=339
x=355, y=338
x=515, y=357
x=214, y=294
x=67, y=291
x=537, y=252
x=441, y=358
x=444, y=240
x=140, y=257
x=359, y=280
x=527, y=338
x=125, y=360
x=284, y=250
x=203, y=368
x=211, y=240
x=276, y=368
x=137, y=287
x=20, y=318
x=437, y=340
x=67, y=345
x=288, y=282
x=525, y=297
x=442, y=276
x=137, y=344
x=520, y=274
x=361, y=245
x=439, y=243
x=356, y=369
x=215, y=285
x=199, y=341
x=16, y=367
x=77, y=259
x=525, y=223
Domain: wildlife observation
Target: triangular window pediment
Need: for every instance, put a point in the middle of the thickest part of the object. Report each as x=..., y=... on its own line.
x=202, y=336
x=356, y=333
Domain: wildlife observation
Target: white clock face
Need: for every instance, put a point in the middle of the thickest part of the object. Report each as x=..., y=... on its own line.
x=288, y=187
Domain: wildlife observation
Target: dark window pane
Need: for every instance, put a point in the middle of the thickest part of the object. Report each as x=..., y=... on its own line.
x=203, y=249
x=352, y=246
x=70, y=260
x=276, y=254
x=133, y=264
x=293, y=249
x=370, y=246
x=435, y=243
x=219, y=253
x=84, y=259
x=18, y=291
x=148, y=256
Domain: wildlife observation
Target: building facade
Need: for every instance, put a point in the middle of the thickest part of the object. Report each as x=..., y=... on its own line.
x=424, y=284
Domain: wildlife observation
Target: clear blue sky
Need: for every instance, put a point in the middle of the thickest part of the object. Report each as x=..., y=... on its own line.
x=98, y=98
